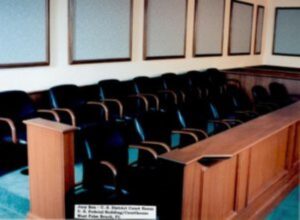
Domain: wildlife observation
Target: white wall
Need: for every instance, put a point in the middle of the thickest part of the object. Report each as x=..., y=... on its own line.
x=269, y=58
x=59, y=71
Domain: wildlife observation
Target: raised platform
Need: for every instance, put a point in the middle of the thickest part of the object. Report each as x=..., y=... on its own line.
x=14, y=193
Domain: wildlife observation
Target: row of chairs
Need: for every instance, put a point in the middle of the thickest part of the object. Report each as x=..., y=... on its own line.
x=149, y=116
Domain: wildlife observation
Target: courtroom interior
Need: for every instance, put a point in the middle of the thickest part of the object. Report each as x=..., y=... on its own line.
x=190, y=107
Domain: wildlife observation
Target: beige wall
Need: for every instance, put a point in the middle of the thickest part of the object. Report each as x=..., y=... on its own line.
x=59, y=71
x=268, y=57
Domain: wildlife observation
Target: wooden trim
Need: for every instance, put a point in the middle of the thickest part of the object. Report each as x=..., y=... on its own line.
x=247, y=135
x=265, y=73
x=230, y=28
x=275, y=28
x=146, y=31
x=164, y=57
x=47, y=40
x=71, y=16
x=196, y=14
x=256, y=29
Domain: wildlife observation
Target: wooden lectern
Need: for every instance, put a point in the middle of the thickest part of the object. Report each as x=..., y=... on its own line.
x=51, y=167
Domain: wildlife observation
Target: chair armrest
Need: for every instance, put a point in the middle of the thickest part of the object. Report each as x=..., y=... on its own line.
x=247, y=112
x=235, y=81
x=183, y=95
x=187, y=133
x=50, y=112
x=156, y=99
x=268, y=105
x=103, y=106
x=172, y=93
x=220, y=122
x=146, y=149
x=12, y=127
x=232, y=120
x=198, y=130
x=137, y=96
x=69, y=112
x=120, y=105
x=163, y=145
x=110, y=166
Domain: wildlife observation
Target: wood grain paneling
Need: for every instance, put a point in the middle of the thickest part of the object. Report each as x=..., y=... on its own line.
x=267, y=163
x=244, y=170
x=242, y=179
x=218, y=185
x=51, y=167
x=192, y=191
x=251, y=77
x=296, y=159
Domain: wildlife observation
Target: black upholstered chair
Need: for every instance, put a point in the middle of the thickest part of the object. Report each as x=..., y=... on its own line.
x=176, y=85
x=158, y=129
x=68, y=101
x=15, y=107
x=263, y=100
x=109, y=178
x=121, y=99
x=280, y=94
x=153, y=89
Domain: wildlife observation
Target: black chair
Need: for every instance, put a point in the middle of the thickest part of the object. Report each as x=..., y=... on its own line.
x=153, y=89
x=280, y=94
x=263, y=100
x=17, y=106
x=176, y=85
x=121, y=98
x=158, y=130
x=68, y=101
x=109, y=178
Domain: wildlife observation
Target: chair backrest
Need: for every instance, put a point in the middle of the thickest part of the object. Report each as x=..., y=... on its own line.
x=260, y=94
x=170, y=81
x=16, y=105
x=108, y=143
x=278, y=91
x=66, y=96
x=156, y=126
x=110, y=88
x=144, y=84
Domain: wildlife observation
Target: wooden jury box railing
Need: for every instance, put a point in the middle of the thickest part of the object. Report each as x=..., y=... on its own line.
x=252, y=77
x=238, y=174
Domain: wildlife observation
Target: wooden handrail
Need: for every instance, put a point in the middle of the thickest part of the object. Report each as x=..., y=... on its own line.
x=235, y=140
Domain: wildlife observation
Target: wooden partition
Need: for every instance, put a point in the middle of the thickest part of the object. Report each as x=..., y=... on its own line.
x=239, y=174
x=250, y=77
x=51, y=167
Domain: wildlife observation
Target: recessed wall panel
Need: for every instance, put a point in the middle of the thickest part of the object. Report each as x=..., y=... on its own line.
x=209, y=27
x=240, y=28
x=165, y=29
x=287, y=32
x=100, y=30
x=24, y=39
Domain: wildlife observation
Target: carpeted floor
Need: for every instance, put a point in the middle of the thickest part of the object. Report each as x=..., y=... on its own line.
x=288, y=209
x=14, y=198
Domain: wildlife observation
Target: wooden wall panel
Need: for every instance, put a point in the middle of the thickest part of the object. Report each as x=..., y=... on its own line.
x=242, y=180
x=297, y=145
x=192, y=191
x=267, y=163
x=248, y=81
x=219, y=190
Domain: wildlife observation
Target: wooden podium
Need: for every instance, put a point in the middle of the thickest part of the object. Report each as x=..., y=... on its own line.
x=51, y=167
